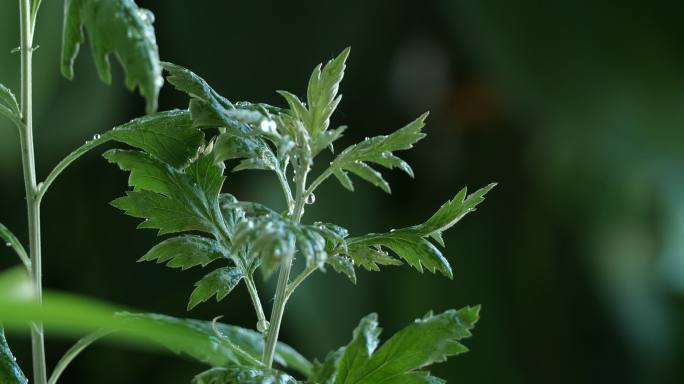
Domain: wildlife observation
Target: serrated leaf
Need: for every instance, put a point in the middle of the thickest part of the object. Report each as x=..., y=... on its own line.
x=170, y=199
x=429, y=340
x=453, y=210
x=322, y=93
x=10, y=372
x=219, y=283
x=169, y=136
x=242, y=375
x=272, y=237
x=344, y=265
x=326, y=372
x=377, y=150
x=247, y=125
x=185, y=252
x=119, y=27
x=160, y=212
x=360, y=349
x=412, y=244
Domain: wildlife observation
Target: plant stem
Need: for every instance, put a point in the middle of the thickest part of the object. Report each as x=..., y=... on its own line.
x=281, y=295
x=29, y=167
x=254, y=295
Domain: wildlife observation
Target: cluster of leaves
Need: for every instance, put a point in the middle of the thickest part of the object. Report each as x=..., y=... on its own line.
x=177, y=160
x=177, y=176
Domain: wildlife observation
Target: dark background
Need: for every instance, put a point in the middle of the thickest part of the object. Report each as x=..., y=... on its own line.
x=574, y=107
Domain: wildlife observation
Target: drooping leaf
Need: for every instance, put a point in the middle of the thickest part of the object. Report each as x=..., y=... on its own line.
x=10, y=372
x=69, y=314
x=377, y=150
x=119, y=27
x=218, y=282
x=185, y=252
x=412, y=244
x=242, y=375
x=247, y=125
x=242, y=346
x=431, y=339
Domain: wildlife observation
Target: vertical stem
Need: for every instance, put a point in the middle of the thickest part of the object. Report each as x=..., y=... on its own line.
x=284, y=274
x=29, y=167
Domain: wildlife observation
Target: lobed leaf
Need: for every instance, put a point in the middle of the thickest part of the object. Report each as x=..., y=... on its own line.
x=431, y=339
x=219, y=282
x=377, y=150
x=185, y=252
x=169, y=136
x=168, y=198
x=412, y=244
x=119, y=27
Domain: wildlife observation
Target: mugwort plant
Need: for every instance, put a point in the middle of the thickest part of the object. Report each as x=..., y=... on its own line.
x=176, y=161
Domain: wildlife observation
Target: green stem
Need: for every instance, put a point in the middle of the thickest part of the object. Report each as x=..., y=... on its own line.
x=256, y=301
x=284, y=274
x=320, y=179
x=30, y=185
x=297, y=281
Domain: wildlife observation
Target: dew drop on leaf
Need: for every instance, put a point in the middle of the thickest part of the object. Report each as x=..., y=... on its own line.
x=96, y=136
x=8, y=244
x=310, y=199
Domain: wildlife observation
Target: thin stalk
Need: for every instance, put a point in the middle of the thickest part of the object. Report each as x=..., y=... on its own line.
x=256, y=301
x=284, y=274
x=30, y=185
x=298, y=280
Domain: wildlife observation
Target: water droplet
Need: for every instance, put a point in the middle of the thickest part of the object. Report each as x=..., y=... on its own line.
x=366, y=138
x=96, y=136
x=386, y=154
x=8, y=244
x=392, y=230
x=262, y=326
x=310, y=199
x=267, y=126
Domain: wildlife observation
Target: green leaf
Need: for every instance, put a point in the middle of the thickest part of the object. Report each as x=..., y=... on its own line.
x=412, y=244
x=11, y=241
x=168, y=198
x=185, y=252
x=119, y=27
x=429, y=340
x=325, y=372
x=377, y=150
x=271, y=237
x=10, y=372
x=9, y=106
x=361, y=348
x=247, y=125
x=241, y=375
x=453, y=211
x=219, y=282
x=236, y=345
x=75, y=315
x=169, y=136
x=7, y=98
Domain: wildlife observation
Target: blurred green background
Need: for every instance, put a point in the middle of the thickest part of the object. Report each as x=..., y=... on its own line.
x=575, y=107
